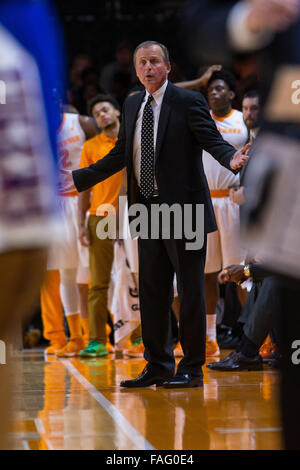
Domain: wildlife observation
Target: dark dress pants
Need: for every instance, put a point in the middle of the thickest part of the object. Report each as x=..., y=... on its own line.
x=264, y=313
x=158, y=260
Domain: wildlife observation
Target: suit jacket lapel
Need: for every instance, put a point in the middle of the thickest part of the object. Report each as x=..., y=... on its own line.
x=163, y=119
x=133, y=113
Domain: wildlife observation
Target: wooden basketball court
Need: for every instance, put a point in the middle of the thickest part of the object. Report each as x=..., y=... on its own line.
x=78, y=404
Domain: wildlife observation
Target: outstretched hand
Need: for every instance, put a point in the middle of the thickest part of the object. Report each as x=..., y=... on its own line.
x=67, y=176
x=240, y=157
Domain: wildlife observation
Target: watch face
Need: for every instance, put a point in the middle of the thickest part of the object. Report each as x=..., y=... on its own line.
x=247, y=271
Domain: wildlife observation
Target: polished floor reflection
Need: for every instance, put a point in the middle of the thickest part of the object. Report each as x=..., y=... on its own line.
x=78, y=404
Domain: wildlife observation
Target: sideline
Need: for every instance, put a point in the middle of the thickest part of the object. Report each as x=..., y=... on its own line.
x=139, y=441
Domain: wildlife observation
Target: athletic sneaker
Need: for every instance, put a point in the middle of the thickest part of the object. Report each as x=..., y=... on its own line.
x=268, y=350
x=212, y=348
x=137, y=349
x=72, y=348
x=94, y=349
x=54, y=348
x=110, y=347
x=86, y=340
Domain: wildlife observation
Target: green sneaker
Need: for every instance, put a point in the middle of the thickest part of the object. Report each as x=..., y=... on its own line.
x=94, y=349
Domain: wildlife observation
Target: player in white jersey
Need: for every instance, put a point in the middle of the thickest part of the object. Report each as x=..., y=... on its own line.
x=69, y=256
x=223, y=246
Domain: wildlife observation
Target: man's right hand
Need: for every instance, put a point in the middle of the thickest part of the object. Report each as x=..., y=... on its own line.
x=84, y=237
x=240, y=157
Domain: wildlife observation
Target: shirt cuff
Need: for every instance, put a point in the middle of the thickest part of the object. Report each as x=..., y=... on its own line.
x=241, y=39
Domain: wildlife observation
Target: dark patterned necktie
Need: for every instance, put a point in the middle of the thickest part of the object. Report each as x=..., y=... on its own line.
x=147, y=151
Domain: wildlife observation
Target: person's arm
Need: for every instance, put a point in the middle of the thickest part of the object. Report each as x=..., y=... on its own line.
x=199, y=82
x=243, y=28
x=251, y=25
x=84, y=201
x=205, y=131
x=88, y=127
x=113, y=162
x=216, y=30
x=239, y=273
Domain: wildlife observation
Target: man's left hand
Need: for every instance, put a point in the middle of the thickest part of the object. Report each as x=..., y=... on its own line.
x=240, y=157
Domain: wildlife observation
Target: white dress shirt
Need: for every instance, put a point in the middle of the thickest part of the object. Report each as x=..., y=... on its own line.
x=156, y=106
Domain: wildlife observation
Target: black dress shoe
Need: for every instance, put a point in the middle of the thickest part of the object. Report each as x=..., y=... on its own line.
x=184, y=381
x=147, y=378
x=237, y=361
x=228, y=358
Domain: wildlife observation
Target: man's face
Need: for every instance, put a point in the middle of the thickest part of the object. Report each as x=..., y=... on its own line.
x=219, y=95
x=105, y=114
x=250, y=110
x=151, y=68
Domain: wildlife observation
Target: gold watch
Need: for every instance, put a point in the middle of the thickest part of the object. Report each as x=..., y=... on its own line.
x=247, y=271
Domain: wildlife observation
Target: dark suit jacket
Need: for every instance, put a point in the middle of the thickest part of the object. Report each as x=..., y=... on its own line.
x=185, y=128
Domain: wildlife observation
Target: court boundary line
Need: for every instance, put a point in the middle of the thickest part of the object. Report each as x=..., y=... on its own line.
x=25, y=445
x=138, y=440
x=240, y=430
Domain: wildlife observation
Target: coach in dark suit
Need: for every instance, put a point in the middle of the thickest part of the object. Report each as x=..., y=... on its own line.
x=162, y=134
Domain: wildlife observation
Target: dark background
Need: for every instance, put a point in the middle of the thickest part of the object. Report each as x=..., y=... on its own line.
x=96, y=27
